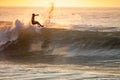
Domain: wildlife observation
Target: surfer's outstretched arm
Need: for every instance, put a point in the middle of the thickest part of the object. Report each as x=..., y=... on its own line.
x=36, y=14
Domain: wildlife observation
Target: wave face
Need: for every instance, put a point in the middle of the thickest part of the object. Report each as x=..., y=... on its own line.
x=62, y=37
x=25, y=38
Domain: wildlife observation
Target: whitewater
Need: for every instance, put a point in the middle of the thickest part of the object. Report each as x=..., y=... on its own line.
x=76, y=44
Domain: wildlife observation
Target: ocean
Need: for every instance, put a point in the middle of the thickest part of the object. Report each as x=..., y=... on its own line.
x=75, y=44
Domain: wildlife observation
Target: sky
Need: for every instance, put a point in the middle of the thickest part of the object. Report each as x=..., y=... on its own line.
x=61, y=3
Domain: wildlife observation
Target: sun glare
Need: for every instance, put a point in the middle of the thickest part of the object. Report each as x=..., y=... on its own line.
x=66, y=3
x=62, y=3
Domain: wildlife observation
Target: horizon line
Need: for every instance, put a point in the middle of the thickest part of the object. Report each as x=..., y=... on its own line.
x=61, y=6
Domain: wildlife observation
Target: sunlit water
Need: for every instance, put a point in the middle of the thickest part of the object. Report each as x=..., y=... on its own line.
x=86, y=49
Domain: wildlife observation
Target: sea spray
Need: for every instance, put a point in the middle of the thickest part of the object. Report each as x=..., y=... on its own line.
x=49, y=14
x=9, y=34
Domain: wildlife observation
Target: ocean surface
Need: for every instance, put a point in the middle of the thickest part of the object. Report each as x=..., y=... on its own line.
x=75, y=44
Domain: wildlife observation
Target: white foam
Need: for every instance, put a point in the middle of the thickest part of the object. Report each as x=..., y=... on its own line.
x=50, y=72
x=10, y=33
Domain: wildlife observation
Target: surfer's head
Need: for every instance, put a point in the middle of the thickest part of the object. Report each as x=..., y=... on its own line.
x=33, y=14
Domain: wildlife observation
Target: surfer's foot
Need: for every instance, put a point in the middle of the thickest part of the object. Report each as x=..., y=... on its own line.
x=41, y=26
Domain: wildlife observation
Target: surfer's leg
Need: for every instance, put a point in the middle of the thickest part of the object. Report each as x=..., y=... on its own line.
x=36, y=22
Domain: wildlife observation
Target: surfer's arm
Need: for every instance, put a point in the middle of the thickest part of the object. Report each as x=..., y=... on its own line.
x=36, y=14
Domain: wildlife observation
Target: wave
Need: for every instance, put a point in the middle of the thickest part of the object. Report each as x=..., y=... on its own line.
x=59, y=46
x=23, y=38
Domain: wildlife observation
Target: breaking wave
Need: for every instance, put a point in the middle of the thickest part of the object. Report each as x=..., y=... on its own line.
x=23, y=38
x=28, y=44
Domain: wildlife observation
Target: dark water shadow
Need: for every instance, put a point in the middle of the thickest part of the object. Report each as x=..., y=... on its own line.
x=46, y=38
x=45, y=57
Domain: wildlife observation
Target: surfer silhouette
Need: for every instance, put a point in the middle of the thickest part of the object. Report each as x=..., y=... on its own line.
x=35, y=22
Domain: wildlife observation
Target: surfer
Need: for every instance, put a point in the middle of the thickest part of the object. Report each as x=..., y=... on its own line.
x=35, y=22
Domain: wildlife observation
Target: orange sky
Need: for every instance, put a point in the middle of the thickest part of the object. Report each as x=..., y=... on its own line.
x=62, y=3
